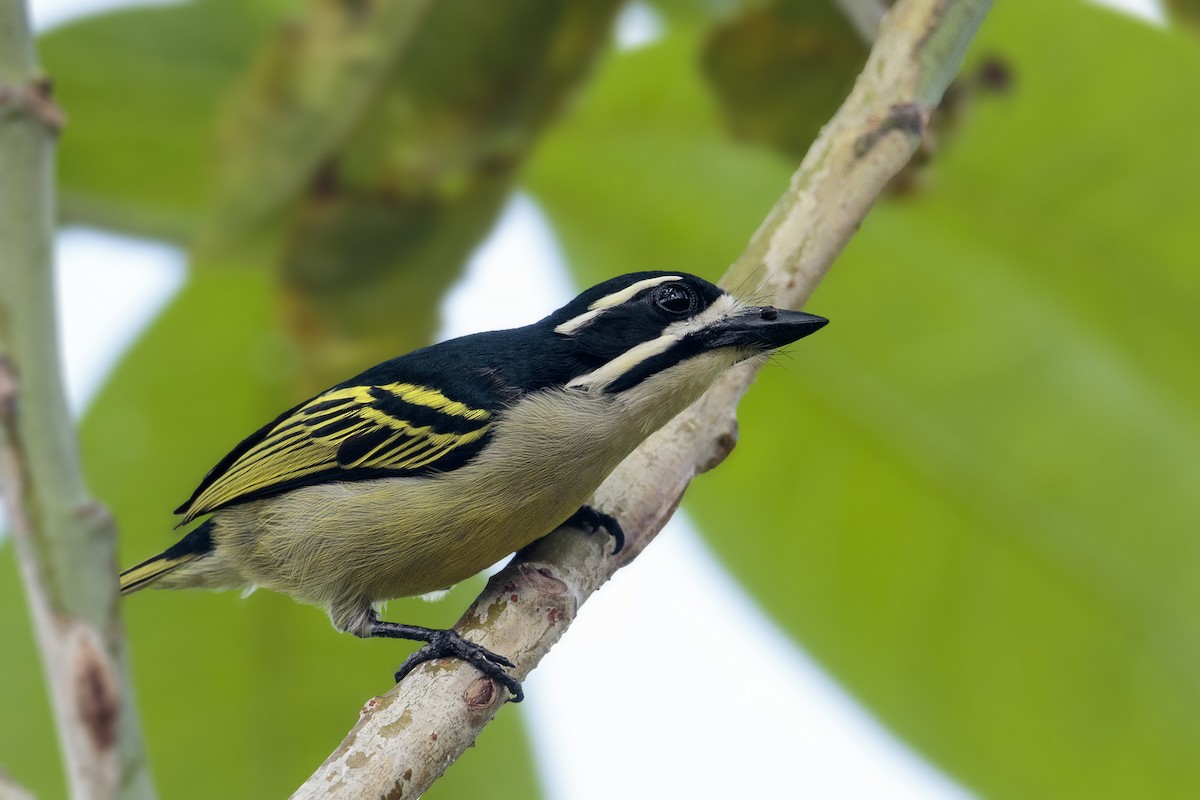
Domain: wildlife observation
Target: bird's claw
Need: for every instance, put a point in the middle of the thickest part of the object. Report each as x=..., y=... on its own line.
x=449, y=644
x=592, y=520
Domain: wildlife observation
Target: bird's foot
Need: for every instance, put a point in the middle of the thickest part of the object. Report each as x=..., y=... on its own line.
x=449, y=644
x=591, y=520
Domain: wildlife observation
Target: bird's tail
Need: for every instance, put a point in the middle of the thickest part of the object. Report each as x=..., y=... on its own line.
x=189, y=548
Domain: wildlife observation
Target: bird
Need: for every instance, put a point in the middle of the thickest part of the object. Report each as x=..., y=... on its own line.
x=426, y=469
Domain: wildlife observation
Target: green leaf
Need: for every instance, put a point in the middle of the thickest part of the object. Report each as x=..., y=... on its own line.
x=141, y=88
x=972, y=496
x=780, y=70
x=1184, y=12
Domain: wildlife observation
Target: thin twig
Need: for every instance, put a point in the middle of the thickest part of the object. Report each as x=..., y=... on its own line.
x=405, y=739
x=65, y=542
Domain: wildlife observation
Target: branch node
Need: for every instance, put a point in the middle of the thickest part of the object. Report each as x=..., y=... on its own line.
x=96, y=692
x=8, y=390
x=909, y=118
x=34, y=98
x=481, y=695
x=540, y=577
x=722, y=445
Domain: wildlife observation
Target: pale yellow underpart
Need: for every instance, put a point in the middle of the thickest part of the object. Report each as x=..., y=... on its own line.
x=611, y=301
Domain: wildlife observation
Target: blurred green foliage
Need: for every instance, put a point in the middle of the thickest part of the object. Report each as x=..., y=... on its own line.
x=1184, y=12
x=971, y=499
x=763, y=60
x=144, y=87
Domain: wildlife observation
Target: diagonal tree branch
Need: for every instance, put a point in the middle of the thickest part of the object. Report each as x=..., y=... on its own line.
x=11, y=790
x=65, y=541
x=405, y=739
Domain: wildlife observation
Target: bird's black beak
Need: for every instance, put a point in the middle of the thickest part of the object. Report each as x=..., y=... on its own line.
x=763, y=328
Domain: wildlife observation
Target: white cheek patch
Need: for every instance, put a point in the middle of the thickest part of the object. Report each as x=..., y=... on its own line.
x=611, y=301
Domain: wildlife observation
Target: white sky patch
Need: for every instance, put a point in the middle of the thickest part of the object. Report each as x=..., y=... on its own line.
x=638, y=24
x=109, y=288
x=49, y=13
x=1149, y=10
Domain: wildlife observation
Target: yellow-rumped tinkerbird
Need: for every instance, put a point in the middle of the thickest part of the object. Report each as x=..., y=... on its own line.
x=426, y=469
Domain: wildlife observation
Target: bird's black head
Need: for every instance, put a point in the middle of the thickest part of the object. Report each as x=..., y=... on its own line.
x=644, y=323
x=611, y=317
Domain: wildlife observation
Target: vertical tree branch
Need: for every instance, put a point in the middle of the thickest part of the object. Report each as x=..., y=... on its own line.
x=405, y=739
x=65, y=541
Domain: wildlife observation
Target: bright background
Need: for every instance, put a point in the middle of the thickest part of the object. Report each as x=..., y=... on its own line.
x=761, y=715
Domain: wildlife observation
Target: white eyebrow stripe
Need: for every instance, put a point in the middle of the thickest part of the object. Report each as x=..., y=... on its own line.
x=599, y=378
x=611, y=301
x=628, y=293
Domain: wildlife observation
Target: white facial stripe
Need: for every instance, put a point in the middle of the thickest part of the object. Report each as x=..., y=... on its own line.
x=602, y=377
x=611, y=301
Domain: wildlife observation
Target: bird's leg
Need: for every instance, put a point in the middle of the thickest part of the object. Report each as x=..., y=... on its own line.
x=591, y=520
x=448, y=644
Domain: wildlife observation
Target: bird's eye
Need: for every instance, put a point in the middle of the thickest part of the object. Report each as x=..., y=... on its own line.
x=676, y=299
